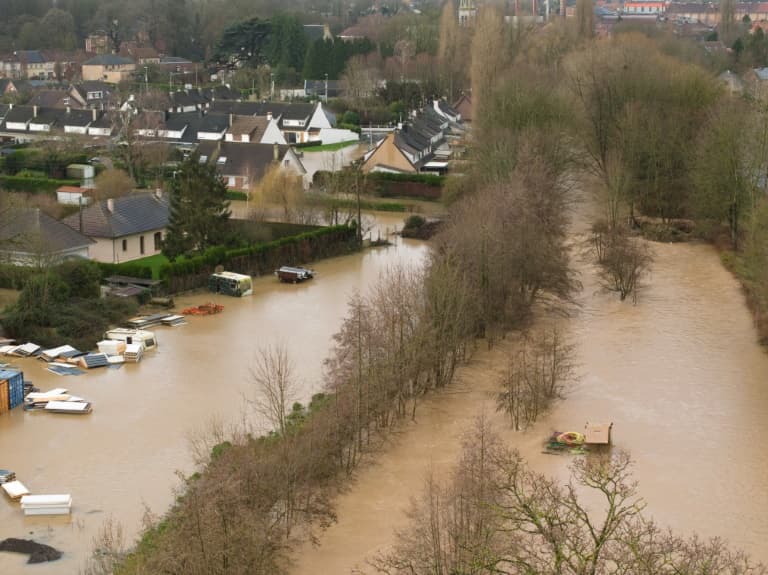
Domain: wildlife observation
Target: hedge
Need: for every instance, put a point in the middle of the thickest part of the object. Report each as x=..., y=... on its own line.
x=428, y=179
x=34, y=185
x=131, y=269
x=191, y=273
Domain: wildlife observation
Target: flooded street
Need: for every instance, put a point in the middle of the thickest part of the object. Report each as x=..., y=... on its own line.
x=679, y=374
x=125, y=454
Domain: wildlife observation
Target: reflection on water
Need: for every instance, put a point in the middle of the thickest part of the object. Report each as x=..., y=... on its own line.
x=124, y=455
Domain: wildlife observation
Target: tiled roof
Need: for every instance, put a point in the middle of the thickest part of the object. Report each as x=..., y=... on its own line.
x=25, y=227
x=248, y=125
x=242, y=159
x=108, y=60
x=132, y=214
x=286, y=111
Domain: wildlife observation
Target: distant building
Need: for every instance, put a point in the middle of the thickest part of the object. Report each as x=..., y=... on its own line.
x=108, y=68
x=467, y=12
x=97, y=43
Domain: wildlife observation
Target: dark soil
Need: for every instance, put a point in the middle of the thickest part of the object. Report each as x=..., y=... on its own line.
x=38, y=553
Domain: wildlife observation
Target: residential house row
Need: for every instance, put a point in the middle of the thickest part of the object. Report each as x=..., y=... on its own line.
x=422, y=143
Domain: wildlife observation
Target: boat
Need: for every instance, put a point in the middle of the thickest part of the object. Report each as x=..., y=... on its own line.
x=294, y=275
x=230, y=283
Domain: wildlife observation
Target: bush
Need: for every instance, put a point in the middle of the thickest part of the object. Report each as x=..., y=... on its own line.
x=414, y=221
x=351, y=117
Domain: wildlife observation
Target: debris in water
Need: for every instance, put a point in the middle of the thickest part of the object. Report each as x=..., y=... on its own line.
x=38, y=552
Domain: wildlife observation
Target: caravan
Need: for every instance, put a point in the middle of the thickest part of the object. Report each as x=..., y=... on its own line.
x=230, y=283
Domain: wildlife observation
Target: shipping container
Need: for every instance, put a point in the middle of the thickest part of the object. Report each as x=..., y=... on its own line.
x=15, y=386
x=4, y=401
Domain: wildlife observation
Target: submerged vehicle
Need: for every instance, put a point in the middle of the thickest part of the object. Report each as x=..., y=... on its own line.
x=294, y=275
x=231, y=283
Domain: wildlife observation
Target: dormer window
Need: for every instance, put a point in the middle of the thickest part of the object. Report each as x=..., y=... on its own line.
x=221, y=160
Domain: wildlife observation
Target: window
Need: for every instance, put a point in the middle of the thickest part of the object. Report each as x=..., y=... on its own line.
x=141, y=244
x=125, y=245
x=158, y=241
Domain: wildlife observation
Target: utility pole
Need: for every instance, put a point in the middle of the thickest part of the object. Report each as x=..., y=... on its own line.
x=326, y=87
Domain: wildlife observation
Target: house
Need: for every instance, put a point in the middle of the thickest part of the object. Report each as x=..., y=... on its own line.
x=467, y=13
x=124, y=229
x=26, y=123
x=97, y=43
x=464, y=107
x=95, y=95
x=32, y=237
x=293, y=123
x=641, y=9
x=413, y=146
x=108, y=68
x=243, y=165
x=322, y=89
x=315, y=32
x=246, y=129
x=450, y=113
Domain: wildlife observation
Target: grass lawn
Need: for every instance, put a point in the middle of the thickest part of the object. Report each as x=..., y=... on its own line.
x=154, y=262
x=329, y=147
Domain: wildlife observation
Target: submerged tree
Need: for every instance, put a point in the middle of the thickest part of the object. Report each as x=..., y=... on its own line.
x=497, y=516
x=199, y=209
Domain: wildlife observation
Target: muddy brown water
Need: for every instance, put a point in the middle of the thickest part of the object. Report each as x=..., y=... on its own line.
x=679, y=374
x=124, y=455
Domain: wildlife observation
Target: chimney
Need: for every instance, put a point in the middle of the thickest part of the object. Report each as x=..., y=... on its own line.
x=69, y=110
x=276, y=152
x=111, y=205
x=231, y=119
x=34, y=111
x=269, y=116
x=94, y=112
x=159, y=193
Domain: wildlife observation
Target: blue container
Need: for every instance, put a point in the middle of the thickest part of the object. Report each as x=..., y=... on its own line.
x=15, y=386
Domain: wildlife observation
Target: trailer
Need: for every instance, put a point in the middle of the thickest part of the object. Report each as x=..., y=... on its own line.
x=290, y=274
x=230, y=283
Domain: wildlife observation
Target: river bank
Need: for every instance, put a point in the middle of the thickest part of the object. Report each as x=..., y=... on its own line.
x=681, y=376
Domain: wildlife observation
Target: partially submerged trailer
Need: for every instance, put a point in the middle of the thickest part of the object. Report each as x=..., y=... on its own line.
x=146, y=338
x=293, y=275
x=230, y=283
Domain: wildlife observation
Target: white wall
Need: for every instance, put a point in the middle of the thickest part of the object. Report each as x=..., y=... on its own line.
x=336, y=135
x=111, y=250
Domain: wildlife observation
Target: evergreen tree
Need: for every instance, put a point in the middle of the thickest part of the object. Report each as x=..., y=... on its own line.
x=199, y=209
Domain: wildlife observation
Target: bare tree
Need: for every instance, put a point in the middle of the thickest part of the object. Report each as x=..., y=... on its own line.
x=272, y=374
x=623, y=259
x=537, y=374
x=497, y=516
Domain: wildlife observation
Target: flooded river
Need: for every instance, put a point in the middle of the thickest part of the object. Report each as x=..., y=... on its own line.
x=679, y=374
x=125, y=454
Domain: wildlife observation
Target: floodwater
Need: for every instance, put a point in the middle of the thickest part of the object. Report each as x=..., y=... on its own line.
x=679, y=374
x=124, y=456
